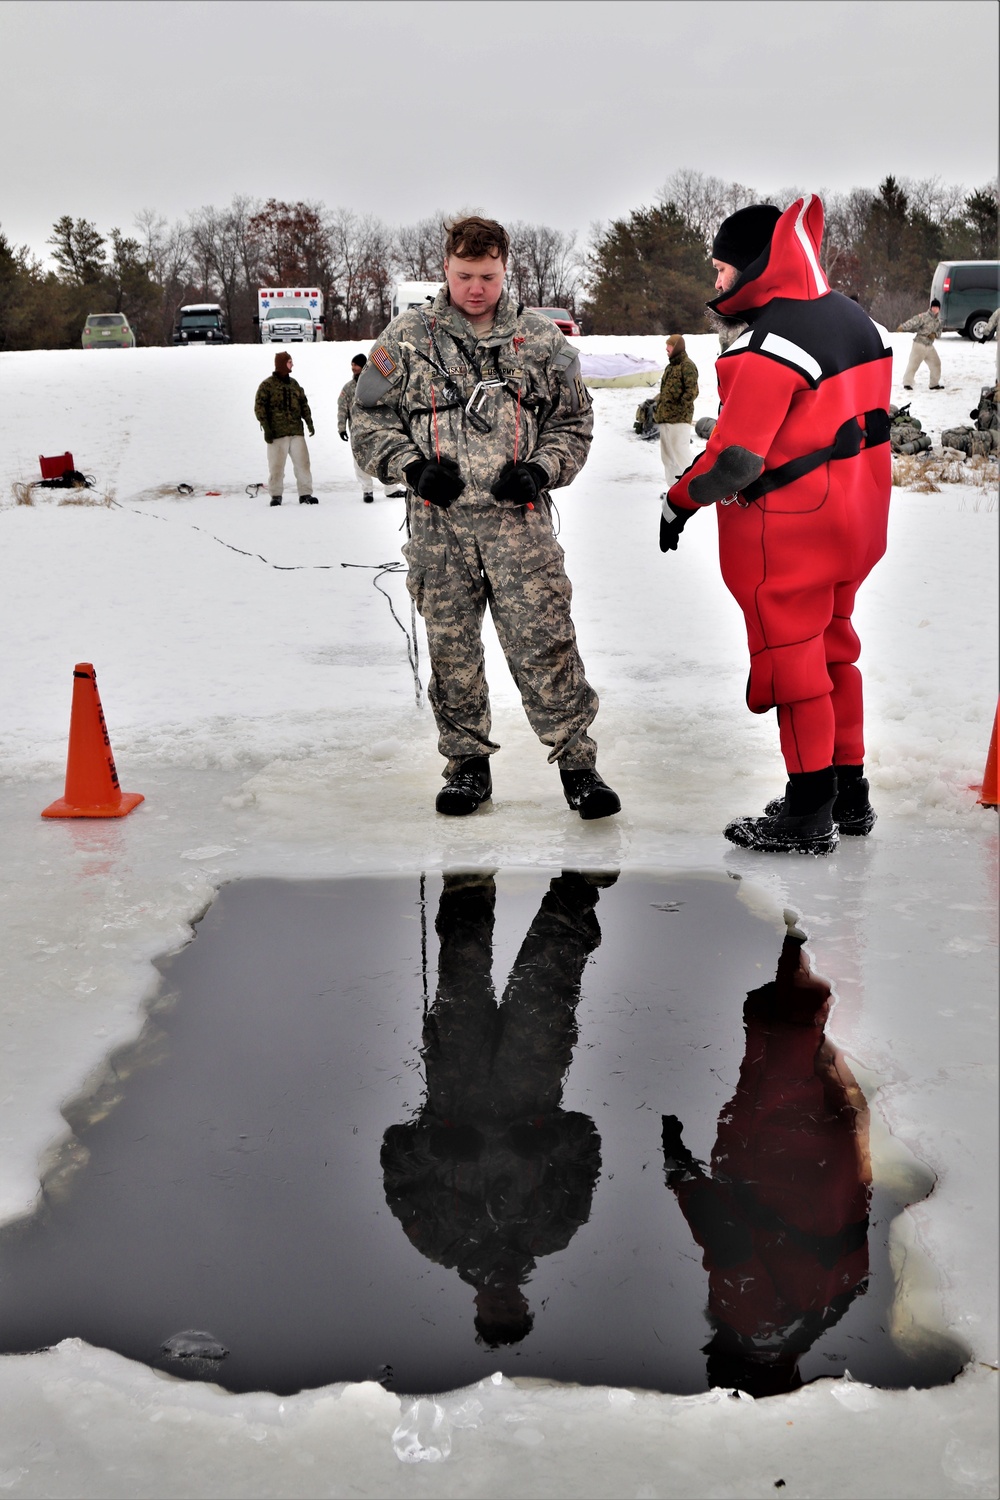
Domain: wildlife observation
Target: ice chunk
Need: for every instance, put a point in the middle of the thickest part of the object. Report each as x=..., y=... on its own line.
x=194, y=1343
x=423, y=1434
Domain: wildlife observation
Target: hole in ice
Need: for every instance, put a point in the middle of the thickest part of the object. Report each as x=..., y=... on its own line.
x=419, y=1130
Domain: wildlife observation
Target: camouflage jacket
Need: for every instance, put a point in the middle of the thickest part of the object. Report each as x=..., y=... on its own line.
x=678, y=388
x=281, y=407
x=421, y=393
x=345, y=402
x=926, y=326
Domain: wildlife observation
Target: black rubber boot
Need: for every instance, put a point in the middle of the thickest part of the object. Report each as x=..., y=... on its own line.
x=466, y=788
x=275, y=499
x=588, y=795
x=852, y=811
x=804, y=824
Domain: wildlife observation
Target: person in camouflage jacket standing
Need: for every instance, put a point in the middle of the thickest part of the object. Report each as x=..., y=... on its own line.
x=925, y=327
x=674, y=410
x=345, y=403
x=480, y=408
x=281, y=407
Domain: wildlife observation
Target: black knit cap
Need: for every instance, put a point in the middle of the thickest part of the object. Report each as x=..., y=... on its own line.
x=359, y=359
x=742, y=237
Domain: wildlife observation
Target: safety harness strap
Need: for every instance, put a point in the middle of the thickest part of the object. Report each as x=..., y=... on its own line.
x=850, y=439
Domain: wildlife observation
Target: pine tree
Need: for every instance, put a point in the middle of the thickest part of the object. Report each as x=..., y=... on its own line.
x=648, y=273
x=981, y=217
x=78, y=250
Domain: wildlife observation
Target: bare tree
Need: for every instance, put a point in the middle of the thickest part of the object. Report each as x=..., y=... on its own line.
x=418, y=249
x=167, y=249
x=703, y=202
x=228, y=253
x=937, y=200
x=545, y=266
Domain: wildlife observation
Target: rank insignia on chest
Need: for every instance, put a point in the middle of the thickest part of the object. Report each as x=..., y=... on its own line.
x=383, y=360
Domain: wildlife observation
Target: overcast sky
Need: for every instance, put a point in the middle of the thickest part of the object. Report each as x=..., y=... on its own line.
x=563, y=112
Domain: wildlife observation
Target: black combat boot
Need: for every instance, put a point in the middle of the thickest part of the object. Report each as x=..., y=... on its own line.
x=466, y=788
x=308, y=500
x=803, y=825
x=852, y=811
x=588, y=795
x=368, y=497
x=275, y=499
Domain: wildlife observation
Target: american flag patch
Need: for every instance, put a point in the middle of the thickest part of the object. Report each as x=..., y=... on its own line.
x=383, y=361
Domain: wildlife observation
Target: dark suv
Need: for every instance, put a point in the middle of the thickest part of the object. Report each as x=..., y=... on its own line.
x=201, y=323
x=967, y=292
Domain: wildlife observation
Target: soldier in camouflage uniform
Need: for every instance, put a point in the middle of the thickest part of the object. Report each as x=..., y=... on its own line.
x=480, y=408
x=345, y=404
x=926, y=327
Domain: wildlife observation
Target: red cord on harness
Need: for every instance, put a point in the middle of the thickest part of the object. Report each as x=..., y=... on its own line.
x=437, y=440
x=517, y=437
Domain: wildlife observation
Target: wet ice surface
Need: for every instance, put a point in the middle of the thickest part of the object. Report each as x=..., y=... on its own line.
x=421, y=1130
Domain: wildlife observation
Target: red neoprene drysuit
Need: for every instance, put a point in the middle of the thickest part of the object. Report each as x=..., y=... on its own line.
x=782, y=1217
x=794, y=556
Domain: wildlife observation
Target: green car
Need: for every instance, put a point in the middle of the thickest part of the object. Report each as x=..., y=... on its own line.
x=107, y=331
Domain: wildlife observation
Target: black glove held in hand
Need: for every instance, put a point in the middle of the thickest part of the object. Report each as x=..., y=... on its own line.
x=672, y=523
x=439, y=482
x=519, y=483
x=343, y=437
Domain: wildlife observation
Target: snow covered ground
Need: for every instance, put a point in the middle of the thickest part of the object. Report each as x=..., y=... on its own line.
x=258, y=693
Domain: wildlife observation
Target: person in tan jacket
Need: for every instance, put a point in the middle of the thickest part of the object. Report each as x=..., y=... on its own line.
x=925, y=327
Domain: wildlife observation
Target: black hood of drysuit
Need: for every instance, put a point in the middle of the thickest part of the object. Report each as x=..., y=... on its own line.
x=788, y=266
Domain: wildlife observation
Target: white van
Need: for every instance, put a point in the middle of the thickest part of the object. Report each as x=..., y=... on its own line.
x=409, y=294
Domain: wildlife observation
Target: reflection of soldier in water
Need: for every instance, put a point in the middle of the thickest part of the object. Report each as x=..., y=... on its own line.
x=493, y=1174
x=783, y=1217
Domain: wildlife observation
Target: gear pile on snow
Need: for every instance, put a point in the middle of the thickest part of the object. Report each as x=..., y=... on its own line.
x=984, y=438
x=645, y=422
x=906, y=434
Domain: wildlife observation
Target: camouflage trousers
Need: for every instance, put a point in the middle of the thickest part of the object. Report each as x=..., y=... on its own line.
x=505, y=556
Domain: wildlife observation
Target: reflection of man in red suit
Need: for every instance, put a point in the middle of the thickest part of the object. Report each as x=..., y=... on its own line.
x=782, y=1218
x=799, y=467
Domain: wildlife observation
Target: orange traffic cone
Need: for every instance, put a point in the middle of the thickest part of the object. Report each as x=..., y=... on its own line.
x=988, y=790
x=92, y=789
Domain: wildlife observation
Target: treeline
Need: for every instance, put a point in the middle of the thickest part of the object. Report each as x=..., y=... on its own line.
x=225, y=255
x=646, y=273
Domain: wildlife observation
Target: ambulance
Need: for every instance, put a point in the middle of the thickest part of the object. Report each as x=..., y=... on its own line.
x=290, y=315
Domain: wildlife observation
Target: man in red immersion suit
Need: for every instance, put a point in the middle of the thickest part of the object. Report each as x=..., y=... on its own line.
x=799, y=468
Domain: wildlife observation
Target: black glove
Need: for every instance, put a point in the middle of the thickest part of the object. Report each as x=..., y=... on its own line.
x=519, y=483
x=437, y=481
x=672, y=523
x=343, y=437
x=312, y=431
x=268, y=435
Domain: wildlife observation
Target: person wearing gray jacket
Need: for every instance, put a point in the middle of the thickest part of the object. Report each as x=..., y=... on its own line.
x=925, y=327
x=345, y=405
